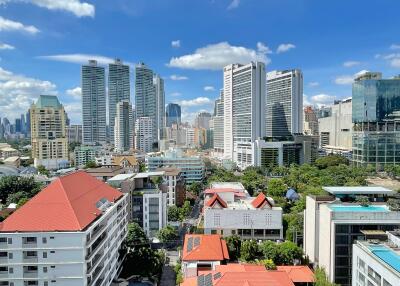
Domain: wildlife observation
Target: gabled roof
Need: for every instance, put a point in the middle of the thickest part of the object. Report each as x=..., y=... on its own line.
x=130, y=158
x=216, y=199
x=204, y=247
x=298, y=274
x=260, y=201
x=69, y=203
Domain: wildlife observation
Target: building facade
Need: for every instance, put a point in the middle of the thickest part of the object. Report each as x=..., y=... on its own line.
x=284, y=104
x=202, y=120
x=332, y=223
x=244, y=110
x=192, y=167
x=310, y=125
x=376, y=120
x=158, y=83
x=74, y=133
x=85, y=154
x=123, y=126
x=94, y=104
x=118, y=90
x=39, y=248
x=144, y=134
x=173, y=114
x=49, y=133
x=219, y=124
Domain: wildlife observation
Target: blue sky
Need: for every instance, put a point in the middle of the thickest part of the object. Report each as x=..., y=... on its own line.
x=43, y=43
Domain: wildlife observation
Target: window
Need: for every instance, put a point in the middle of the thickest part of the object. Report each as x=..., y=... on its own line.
x=53, y=266
x=52, y=251
x=217, y=219
x=44, y=239
x=9, y=240
x=246, y=219
x=44, y=254
x=268, y=219
x=51, y=237
x=3, y=239
x=44, y=269
x=45, y=283
x=29, y=240
x=3, y=269
x=10, y=255
x=11, y=270
x=3, y=254
x=385, y=283
x=361, y=264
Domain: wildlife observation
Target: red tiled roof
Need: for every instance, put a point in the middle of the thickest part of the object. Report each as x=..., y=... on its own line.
x=260, y=201
x=254, y=278
x=67, y=204
x=215, y=198
x=211, y=247
x=298, y=274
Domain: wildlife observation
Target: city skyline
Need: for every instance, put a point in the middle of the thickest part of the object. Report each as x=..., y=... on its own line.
x=44, y=56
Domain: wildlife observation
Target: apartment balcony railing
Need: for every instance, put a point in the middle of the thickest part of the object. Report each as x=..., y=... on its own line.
x=4, y=274
x=30, y=274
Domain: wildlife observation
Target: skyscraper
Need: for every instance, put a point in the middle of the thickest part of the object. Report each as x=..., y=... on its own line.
x=123, y=126
x=376, y=120
x=49, y=134
x=219, y=124
x=144, y=134
x=149, y=98
x=158, y=83
x=28, y=124
x=244, y=109
x=173, y=114
x=202, y=120
x=284, y=104
x=93, y=104
x=118, y=90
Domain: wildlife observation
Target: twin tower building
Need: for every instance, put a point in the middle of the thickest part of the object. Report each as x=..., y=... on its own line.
x=147, y=119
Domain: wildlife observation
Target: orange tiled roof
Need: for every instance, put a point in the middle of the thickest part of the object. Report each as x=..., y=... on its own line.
x=257, y=278
x=204, y=247
x=215, y=198
x=260, y=201
x=298, y=274
x=67, y=204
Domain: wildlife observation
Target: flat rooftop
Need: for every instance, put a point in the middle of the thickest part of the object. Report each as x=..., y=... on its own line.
x=361, y=190
x=358, y=208
x=389, y=256
x=227, y=185
x=121, y=177
x=148, y=174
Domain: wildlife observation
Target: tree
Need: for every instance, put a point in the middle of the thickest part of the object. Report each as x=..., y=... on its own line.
x=186, y=209
x=277, y=187
x=286, y=253
x=22, y=201
x=270, y=250
x=90, y=164
x=26, y=186
x=363, y=201
x=167, y=234
x=321, y=279
x=394, y=204
x=142, y=167
x=195, y=188
x=43, y=171
x=268, y=263
x=233, y=242
x=249, y=250
x=331, y=160
x=16, y=197
x=173, y=213
x=135, y=237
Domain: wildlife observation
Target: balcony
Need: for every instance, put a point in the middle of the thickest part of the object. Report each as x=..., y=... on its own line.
x=30, y=274
x=96, y=245
x=4, y=274
x=95, y=233
x=30, y=257
x=29, y=242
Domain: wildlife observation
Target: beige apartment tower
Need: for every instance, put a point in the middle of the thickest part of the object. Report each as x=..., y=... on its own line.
x=48, y=133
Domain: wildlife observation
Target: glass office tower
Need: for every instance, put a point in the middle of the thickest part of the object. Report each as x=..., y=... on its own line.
x=376, y=120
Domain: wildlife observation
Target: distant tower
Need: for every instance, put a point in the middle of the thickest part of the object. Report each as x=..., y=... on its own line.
x=93, y=104
x=118, y=90
x=144, y=134
x=284, y=106
x=173, y=114
x=123, y=126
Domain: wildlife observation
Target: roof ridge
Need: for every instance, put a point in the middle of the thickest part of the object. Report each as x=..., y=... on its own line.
x=69, y=202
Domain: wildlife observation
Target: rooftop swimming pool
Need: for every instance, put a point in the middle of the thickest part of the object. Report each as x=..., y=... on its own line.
x=358, y=208
x=387, y=255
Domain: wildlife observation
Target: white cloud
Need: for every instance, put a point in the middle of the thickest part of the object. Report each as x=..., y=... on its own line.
x=76, y=7
x=4, y=46
x=313, y=84
x=75, y=92
x=10, y=25
x=178, y=77
x=189, y=116
x=74, y=111
x=78, y=58
x=393, y=59
x=176, y=94
x=209, y=88
x=199, y=101
x=282, y=48
x=322, y=99
x=262, y=48
x=233, y=5
x=18, y=91
x=216, y=56
x=176, y=44
x=395, y=47
x=350, y=64
x=348, y=79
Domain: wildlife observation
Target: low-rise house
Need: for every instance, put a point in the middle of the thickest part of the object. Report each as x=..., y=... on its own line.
x=128, y=162
x=105, y=173
x=68, y=234
x=203, y=252
x=230, y=210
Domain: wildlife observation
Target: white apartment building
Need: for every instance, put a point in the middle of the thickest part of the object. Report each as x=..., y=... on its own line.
x=244, y=110
x=331, y=226
x=57, y=239
x=123, y=126
x=284, y=104
x=144, y=134
x=336, y=130
x=175, y=184
x=376, y=262
x=219, y=124
x=229, y=210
